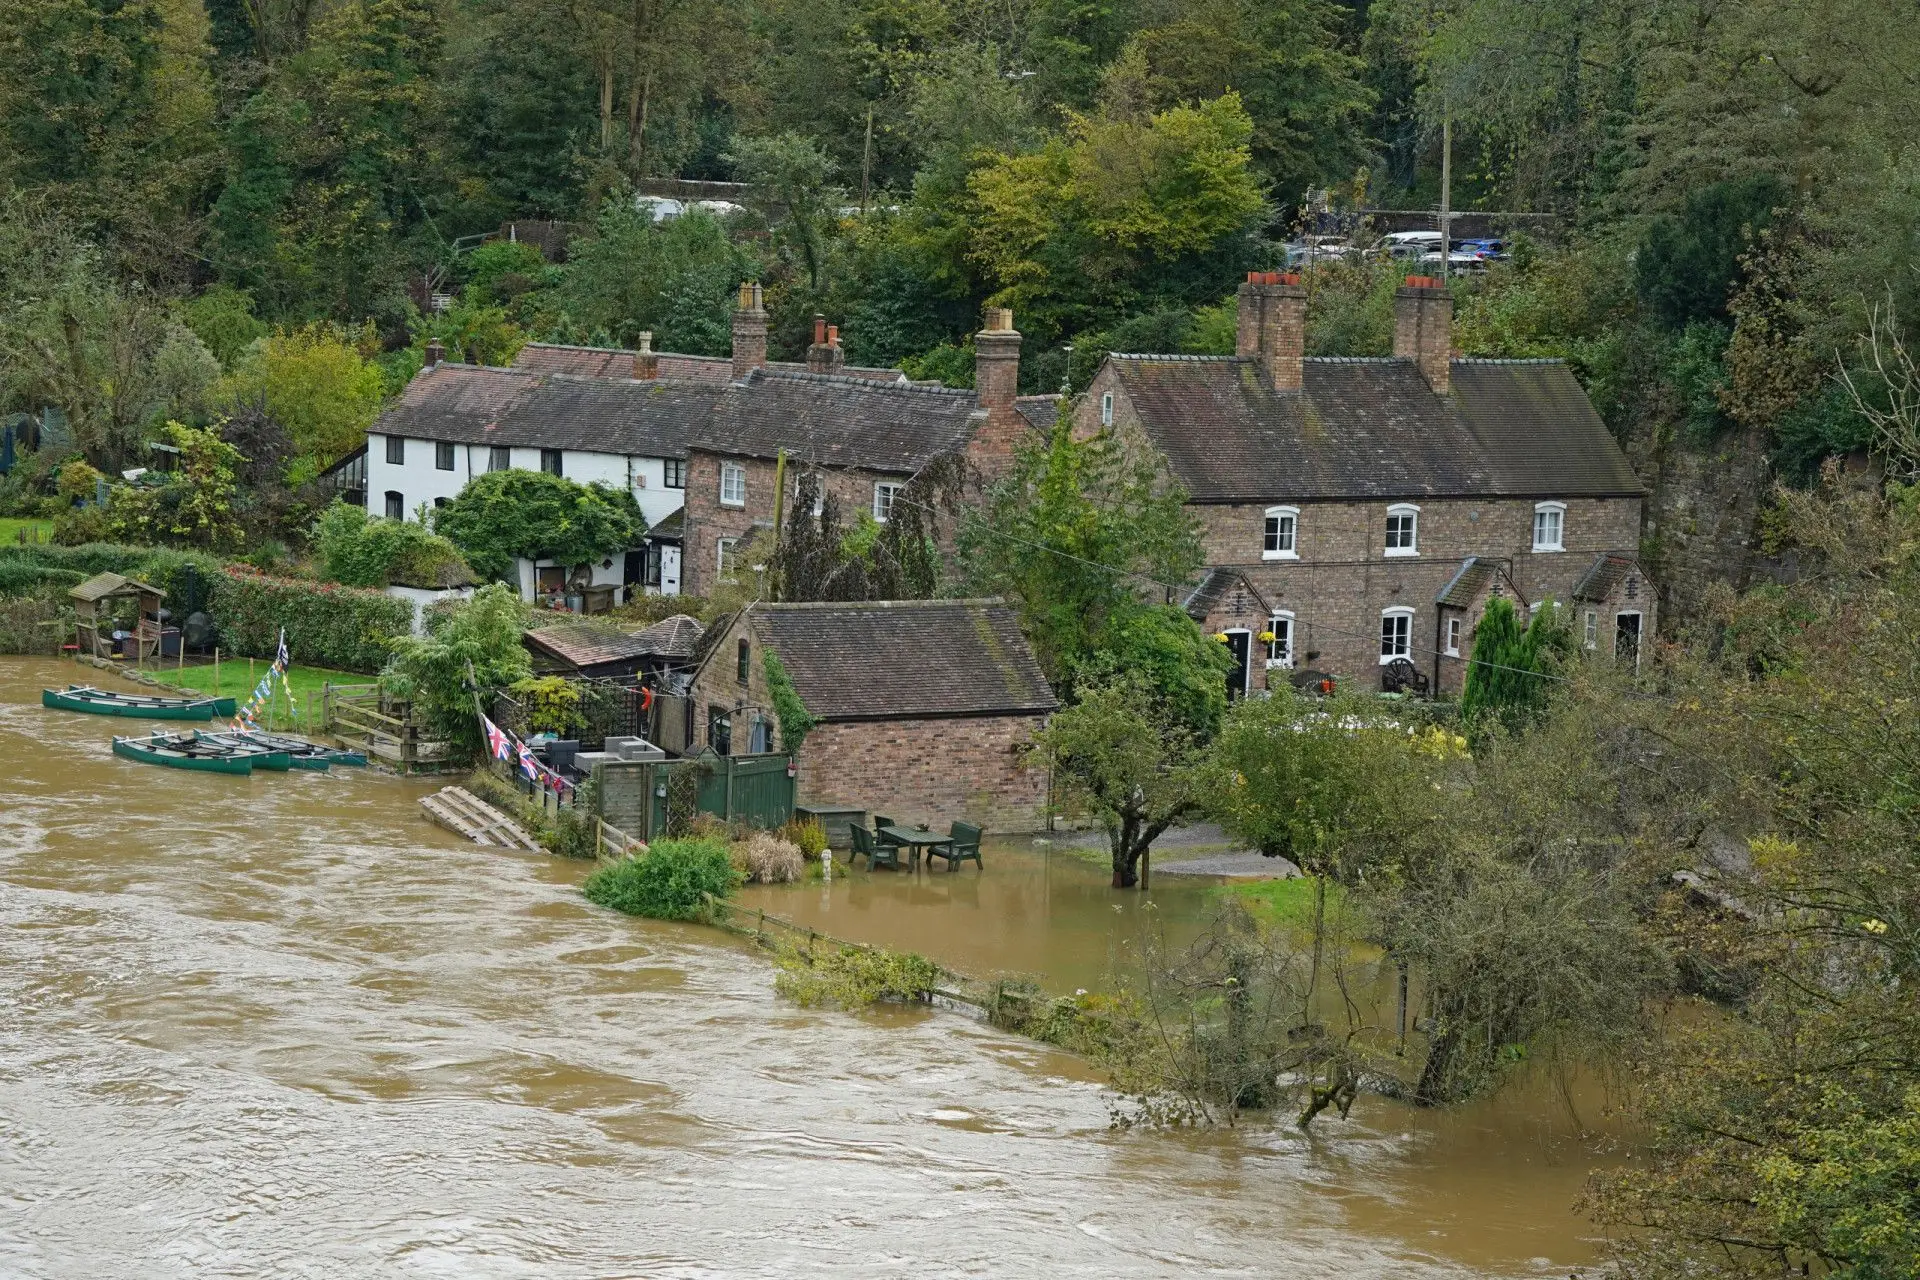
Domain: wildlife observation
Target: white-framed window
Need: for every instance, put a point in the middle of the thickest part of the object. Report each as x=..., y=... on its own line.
x=675, y=470
x=1403, y=529
x=724, y=559
x=1396, y=634
x=1549, y=525
x=883, y=494
x=733, y=485
x=1593, y=629
x=1282, y=537
x=1454, y=627
x=1106, y=409
x=1280, y=648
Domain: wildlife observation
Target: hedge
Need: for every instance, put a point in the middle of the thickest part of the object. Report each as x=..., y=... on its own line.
x=346, y=628
x=162, y=567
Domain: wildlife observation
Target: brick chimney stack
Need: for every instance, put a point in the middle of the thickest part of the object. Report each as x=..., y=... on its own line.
x=646, y=364
x=1273, y=326
x=1423, y=329
x=996, y=381
x=824, y=356
x=750, y=330
x=436, y=352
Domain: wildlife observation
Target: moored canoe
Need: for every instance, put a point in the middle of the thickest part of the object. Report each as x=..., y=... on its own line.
x=106, y=702
x=147, y=751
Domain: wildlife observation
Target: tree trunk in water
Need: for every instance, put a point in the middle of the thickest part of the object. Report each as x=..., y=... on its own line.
x=1430, y=1091
x=1319, y=929
x=1124, y=853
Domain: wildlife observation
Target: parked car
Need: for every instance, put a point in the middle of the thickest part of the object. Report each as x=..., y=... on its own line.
x=1491, y=248
x=1459, y=261
x=1307, y=252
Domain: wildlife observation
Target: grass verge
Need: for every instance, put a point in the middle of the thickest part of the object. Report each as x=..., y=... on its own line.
x=233, y=683
x=11, y=526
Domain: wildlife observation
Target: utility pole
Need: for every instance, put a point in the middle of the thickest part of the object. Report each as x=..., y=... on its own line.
x=1446, y=195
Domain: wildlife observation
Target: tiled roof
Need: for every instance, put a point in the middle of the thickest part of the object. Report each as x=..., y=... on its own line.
x=1041, y=411
x=1468, y=583
x=672, y=525
x=1604, y=576
x=473, y=404
x=676, y=637
x=900, y=658
x=1214, y=589
x=617, y=362
x=586, y=644
x=1373, y=429
x=834, y=421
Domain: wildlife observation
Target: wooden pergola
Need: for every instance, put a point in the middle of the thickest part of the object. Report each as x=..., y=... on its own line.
x=97, y=600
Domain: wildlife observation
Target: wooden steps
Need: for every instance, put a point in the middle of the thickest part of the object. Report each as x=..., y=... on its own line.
x=465, y=814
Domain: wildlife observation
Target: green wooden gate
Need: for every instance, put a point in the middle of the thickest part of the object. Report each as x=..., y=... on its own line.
x=755, y=790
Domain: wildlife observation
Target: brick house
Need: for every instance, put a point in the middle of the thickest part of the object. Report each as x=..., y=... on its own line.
x=865, y=438
x=925, y=707
x=1361, y=511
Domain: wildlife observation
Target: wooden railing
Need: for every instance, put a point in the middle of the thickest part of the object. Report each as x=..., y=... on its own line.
x=353, y=713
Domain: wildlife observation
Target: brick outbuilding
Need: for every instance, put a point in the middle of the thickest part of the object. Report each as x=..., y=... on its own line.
x=926, y=709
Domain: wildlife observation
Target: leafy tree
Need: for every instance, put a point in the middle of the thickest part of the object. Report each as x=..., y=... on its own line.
x=473, y=648
x=1689, y=264
x=507, y=515
x=194, y=508
x=1072, y=534
x=1187, y=668
x=1125, y=195
x=318, y=381
x=222, y=318
x=789, y=177
x=675, y=279
x=359, y=550
x=1119, y=754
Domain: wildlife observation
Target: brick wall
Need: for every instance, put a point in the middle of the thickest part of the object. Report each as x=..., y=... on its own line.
x=707, y=521
x=969, y=769
x=718, y=683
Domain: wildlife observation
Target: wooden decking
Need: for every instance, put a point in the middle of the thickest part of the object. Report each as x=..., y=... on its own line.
x=465, y=814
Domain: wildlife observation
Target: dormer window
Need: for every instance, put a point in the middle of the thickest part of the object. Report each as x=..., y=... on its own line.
x=1549, y=526
x=1403, y=530
x=1282, y=534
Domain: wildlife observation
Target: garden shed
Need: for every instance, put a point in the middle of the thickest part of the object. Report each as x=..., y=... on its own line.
x=104, y=602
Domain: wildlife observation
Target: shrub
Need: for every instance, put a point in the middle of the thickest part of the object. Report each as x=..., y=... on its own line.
x=360, y=550
x=771, y=860
x=507, y=514
x=668, y=882
x=327, y=625
x=808, y=834
x=855, y=977
x=482, y=639
x=552, y=704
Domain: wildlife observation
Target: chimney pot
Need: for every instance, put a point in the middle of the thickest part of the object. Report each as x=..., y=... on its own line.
x=819, y=327
x=833, y=335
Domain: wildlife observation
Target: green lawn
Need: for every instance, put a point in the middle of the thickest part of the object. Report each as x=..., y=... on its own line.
x=235, y=684
x=11, y=526
x=1283, y=902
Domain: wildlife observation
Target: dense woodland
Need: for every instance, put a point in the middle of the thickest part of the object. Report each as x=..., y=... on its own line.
x=219, y=222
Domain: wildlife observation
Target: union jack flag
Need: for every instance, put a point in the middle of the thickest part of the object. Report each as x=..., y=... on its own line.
x=498, y=744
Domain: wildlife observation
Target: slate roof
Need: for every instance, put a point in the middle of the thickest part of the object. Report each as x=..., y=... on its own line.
x=617, y=362
x=1371, y=428
x=904, y=658
x=586, y=644
x=474, y=404
x=1476, y=573
x=677, y=637
x=1604, y=576
x=673, y=525
x=1214, y=589
x=1040, y=411
x=834, y=421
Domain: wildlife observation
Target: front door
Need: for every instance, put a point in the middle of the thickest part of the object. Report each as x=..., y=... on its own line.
x=1626, y=638
x=669, y=569
x=1240, y=645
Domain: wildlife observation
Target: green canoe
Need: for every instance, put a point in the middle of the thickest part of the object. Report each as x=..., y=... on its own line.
x=105, y=702
x=152, y=751
x=301, y=753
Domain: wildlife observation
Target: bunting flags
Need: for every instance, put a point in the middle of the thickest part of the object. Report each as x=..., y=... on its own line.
x=264, y=690
x=504, y=746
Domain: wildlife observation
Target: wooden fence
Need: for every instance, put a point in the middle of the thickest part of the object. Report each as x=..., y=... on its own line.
x=358, y=714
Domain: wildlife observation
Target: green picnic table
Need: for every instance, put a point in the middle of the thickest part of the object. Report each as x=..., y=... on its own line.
x=913, y=840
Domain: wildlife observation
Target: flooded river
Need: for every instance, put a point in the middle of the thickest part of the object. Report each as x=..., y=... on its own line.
x=281, y=1027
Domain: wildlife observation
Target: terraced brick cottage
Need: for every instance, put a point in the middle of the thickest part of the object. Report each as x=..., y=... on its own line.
x=926, y=708
x=1362, y=512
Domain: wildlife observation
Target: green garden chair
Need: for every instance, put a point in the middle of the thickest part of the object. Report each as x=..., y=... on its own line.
x=964, y=845
x=877, y=853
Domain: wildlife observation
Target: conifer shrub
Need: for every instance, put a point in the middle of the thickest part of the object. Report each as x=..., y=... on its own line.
x=668, y=882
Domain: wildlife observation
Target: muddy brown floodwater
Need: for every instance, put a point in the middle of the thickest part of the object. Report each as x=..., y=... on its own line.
x=281, y=1027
